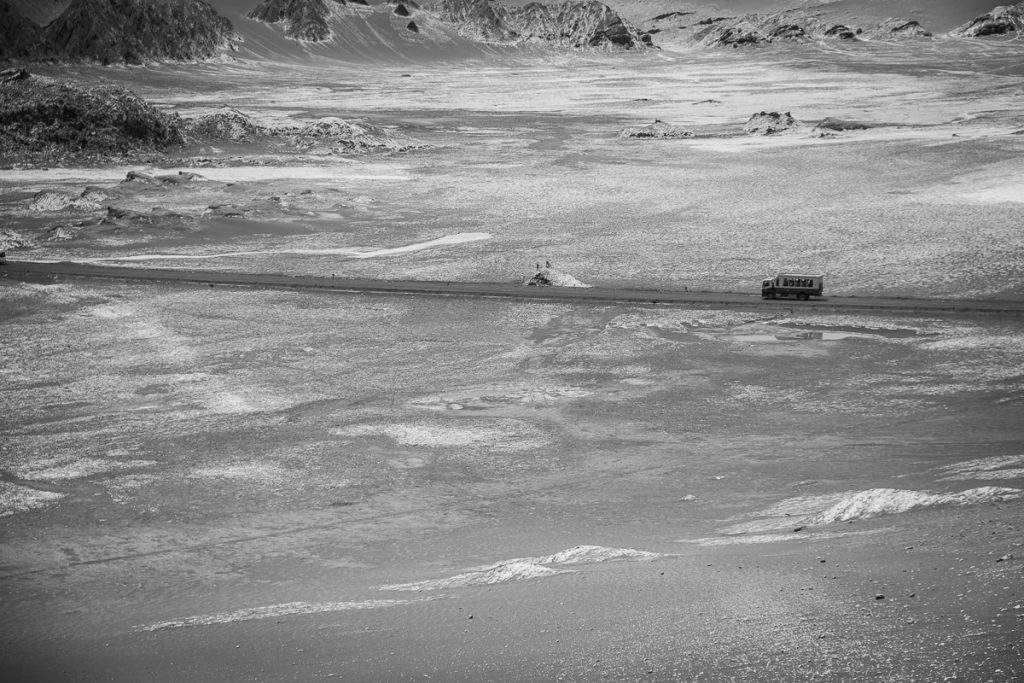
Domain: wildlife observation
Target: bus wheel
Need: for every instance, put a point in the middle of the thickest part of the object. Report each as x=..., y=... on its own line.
x=802, y=296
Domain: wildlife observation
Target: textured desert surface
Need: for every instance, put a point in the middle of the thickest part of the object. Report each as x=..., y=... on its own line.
x=250, y=483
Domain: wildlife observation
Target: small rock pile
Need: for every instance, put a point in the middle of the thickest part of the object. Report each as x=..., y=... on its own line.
x=659, y=130
x=769, y=123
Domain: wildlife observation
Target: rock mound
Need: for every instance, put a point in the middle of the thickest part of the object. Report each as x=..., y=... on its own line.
x=476, y=19
x=829, y=125
x=897, y=29
x=302, y=19
x=45, y=118
x=1001, y=21
x=769, y=123
x=135, y=32
x=659, y=130
x=549, y=277
x=576, y=24
x=51, y=200
x=764, y=29
x=586, y=24
x=334, y=132
x=228, y=124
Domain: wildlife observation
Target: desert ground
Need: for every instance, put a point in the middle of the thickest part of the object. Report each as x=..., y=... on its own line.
x=244, y=483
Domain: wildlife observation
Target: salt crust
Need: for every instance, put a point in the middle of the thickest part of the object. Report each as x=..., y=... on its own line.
x=522, y=568
x=271, y=611
x=774, y=538
x=852, y=505
x=995, y=467
x=350, y=252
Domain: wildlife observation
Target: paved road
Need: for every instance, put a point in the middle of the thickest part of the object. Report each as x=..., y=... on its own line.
x=28, y=270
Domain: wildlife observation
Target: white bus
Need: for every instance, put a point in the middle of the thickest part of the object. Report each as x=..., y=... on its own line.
x=800, y=285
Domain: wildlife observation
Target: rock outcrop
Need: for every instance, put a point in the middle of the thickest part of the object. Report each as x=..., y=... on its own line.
x=326, y=135
x=587, y=24
x=576, y=24
x=762, y=29
x=135, y=32
x=1001, y=21
x=698, y=28
x=659, y=130
x=550, y=277
x=335, y=133
x=897, y=29
x=476, y=19
x=42, y=118
x=302, y=19
x=228, y=124
x=769, y=123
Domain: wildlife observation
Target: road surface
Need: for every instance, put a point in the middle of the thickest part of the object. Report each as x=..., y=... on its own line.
x=29, y=270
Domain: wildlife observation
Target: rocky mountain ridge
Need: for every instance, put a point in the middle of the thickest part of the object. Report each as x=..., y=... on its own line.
x=788, y=26
x=122, y=31
x=301, y=19
x=143, y=31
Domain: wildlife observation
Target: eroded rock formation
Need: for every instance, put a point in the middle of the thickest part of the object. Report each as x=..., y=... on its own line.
x=769, y=123
x=302, y=19
x=1001, y=21
x=659, y=130
x=572, y=24
x=43, y=118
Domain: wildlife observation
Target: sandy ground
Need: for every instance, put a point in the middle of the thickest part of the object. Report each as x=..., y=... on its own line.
x=374, y=488
x=222, y=484
x=526, y=151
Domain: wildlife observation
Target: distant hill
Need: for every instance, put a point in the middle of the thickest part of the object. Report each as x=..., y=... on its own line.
x=121, y=31
x=141, y=31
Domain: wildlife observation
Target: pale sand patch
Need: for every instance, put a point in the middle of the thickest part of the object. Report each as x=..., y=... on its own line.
x=246, y=471
x=500, y=394
x=522, y=568
x=55, y=294
x=350, y=252
x=15, y=499
x=1003, y=193
x=499, y=436
x=85, y=467
x=995, y=467
x=271, y=611
x=713, y=541
x=852, y=505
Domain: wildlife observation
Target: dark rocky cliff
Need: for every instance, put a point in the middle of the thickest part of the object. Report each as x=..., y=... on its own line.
x=301, y=19
x=573, y=24
x=123, y=31
x=47, y=119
